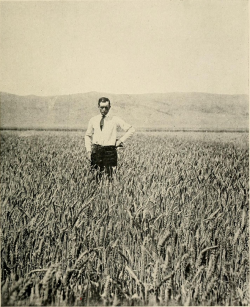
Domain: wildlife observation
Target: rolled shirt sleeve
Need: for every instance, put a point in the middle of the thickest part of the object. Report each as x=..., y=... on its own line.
x=88, y=136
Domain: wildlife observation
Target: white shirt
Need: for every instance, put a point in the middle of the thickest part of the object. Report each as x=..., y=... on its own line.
x=106, y=136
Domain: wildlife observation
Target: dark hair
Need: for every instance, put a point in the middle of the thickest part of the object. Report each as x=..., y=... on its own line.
x=103, y=99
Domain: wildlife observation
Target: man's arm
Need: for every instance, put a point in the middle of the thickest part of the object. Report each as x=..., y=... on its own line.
x=88, y=139
x=126, y=127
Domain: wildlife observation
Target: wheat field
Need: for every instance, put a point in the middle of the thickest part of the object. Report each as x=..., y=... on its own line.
x=171, y=229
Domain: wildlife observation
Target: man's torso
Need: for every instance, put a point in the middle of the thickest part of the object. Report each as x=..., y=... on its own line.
x=106, y=136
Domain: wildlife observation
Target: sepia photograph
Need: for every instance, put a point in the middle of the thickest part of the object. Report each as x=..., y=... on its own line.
x=124, y=153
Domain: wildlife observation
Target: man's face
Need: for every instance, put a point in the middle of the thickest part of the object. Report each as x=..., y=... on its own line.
x=104, y=108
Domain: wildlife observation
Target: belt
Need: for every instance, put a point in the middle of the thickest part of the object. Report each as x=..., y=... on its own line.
x=97, y=146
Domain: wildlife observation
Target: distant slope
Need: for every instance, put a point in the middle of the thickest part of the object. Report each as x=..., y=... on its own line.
x=169, y=110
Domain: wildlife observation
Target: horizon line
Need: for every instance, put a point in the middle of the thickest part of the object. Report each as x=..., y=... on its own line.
x=137, y=94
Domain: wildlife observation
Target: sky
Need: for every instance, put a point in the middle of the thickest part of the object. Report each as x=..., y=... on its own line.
x=124, y=47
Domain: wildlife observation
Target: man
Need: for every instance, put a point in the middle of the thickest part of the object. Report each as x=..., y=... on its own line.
x=101, y=138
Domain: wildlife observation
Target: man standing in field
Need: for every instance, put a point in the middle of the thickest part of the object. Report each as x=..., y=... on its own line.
x=101, y=138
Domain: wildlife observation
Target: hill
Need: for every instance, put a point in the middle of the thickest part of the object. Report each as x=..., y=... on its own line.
x=155, y=111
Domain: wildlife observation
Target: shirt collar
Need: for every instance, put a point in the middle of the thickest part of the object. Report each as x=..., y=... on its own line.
x=107, y=116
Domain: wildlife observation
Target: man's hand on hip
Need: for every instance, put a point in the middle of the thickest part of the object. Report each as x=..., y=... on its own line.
x=119, y=143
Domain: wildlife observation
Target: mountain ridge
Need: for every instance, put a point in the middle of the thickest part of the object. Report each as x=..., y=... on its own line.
x=171, y=110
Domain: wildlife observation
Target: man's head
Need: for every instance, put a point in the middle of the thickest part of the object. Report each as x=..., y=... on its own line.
x=104, y=105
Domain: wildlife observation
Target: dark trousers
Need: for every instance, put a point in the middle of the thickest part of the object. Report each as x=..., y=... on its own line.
x=103, y=160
